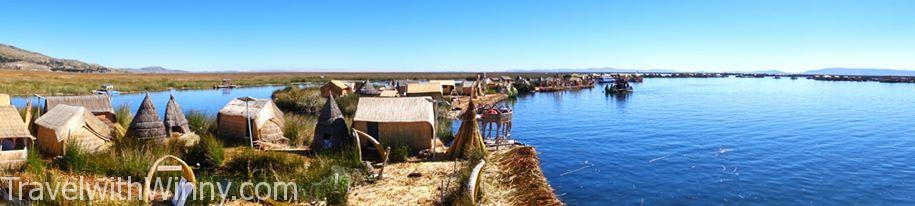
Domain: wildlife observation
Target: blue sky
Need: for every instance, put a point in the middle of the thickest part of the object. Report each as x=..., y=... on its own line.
x=425, y=35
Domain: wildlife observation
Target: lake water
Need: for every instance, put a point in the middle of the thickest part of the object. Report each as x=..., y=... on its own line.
x=727, y=141
x=704, y=141
x=207, y=101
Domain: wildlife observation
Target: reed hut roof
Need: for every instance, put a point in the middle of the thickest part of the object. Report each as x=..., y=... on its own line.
x=338, y=83
x=4, y=99
x=417, y=88
x=388, y=93
x=261, y=110
x=11, y=124
x=174, y=117
x=404, y=109
x=369, y=89
x=330, y=113
x=64, y=118
x=146, y=123
x=93, y=103
x=446, y=82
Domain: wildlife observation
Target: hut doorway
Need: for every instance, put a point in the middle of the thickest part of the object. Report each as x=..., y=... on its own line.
x=372, y=128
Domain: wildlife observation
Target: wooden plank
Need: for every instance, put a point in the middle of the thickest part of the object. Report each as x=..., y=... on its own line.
x=169, y=168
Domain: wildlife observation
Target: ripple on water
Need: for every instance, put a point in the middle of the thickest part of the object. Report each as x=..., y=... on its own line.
x=726, y=141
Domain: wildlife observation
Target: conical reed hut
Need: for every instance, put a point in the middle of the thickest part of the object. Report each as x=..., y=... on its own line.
x=14, y=137
x=175, y=121
x=330, y=130
x=146, y=124
x=64, y=124
x=468, y=139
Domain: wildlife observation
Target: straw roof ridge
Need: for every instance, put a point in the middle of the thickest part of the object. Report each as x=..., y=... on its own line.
x=414, y=88
x=261, y=110
x=174, y=117
x=11, y=124
x=94, y=103
x=404, y=109
x=146, y=123
x=339, y=83
x=65, y=118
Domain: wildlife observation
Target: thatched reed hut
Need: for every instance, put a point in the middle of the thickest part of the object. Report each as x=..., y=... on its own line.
x=14, y=137
x=267, y=122
x=447, y=85
x=98, y=105
x=468, y=140
x=175, y=121
x=64, y=124
x=369, y=90
x=146, y=124
x=330, y=130
x=433, y=90
x=408, y=121
x=336, y=88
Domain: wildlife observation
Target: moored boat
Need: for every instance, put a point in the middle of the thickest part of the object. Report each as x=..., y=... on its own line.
x=618, y=88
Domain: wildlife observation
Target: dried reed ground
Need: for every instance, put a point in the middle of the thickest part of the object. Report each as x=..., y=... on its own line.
x=510, y=177
x=398, y=189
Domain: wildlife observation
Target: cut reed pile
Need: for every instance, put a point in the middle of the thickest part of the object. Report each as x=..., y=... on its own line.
x=519, y=180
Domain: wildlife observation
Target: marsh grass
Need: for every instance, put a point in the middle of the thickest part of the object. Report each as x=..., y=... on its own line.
x=201, y=123
x=123, y=115
x=299, y=129
x=309, y=101
x=127, y=157
x=208, y=152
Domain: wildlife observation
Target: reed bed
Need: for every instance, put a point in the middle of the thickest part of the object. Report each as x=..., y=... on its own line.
x=63, y=83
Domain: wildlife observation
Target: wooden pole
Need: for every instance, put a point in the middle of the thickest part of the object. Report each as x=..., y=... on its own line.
x=387, y=153
x=358, y=145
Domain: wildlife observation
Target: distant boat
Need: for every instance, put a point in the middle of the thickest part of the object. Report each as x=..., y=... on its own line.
x=618, y=88
x=106, y=89
x=793, y=77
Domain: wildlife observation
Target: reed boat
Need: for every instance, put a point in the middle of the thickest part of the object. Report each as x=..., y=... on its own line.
x=617, y=90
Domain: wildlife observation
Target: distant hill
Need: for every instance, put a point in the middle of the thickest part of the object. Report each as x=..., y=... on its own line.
x=862, y=72
x=155, y=70
x=13, y=58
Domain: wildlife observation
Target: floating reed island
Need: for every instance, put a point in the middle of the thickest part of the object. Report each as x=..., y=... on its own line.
x=344, y=143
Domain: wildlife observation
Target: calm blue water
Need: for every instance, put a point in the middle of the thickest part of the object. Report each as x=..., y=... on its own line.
x=704, y=141
x=208, y=101
x=727, y=142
